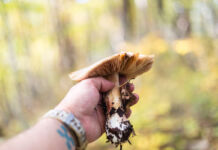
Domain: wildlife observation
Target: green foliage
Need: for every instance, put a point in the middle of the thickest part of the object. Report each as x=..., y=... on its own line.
x=42, y=41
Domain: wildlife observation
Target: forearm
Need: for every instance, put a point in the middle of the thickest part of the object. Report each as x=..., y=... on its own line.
x=47, y=134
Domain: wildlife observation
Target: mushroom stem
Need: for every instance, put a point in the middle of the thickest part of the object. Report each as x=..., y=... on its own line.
x=118, y=128
x=114, y=95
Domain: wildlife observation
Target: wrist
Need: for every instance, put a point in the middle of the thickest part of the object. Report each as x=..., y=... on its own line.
x=72, y=124
x=79, y=116
x=51, y=135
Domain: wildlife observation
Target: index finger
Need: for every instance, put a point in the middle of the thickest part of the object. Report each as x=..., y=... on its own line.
x=102, y=84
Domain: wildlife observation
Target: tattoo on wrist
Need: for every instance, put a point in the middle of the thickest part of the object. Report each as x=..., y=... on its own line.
x=63, y=132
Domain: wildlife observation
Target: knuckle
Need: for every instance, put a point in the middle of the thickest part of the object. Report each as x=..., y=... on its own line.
x=88, y=82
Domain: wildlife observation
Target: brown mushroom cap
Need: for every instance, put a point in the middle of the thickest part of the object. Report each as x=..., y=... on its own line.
x=125, y=63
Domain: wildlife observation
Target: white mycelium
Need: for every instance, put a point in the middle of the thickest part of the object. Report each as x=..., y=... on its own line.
x=115, y=121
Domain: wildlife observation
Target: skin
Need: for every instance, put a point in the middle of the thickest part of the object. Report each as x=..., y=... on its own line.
x=83, y=100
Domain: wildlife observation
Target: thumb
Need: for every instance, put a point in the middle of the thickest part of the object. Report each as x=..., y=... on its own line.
x=102, y=84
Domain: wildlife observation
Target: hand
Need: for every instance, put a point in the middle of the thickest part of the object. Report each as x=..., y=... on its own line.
x=83, y=101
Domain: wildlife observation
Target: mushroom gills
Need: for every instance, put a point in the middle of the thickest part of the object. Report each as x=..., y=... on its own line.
x=118, y=128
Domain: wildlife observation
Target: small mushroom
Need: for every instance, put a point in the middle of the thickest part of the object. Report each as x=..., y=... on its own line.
x=118, y=128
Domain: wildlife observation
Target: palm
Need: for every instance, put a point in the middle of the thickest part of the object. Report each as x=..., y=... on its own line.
x=95, y=124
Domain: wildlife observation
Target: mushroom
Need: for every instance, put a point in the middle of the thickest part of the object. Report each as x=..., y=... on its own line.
x=118, y=128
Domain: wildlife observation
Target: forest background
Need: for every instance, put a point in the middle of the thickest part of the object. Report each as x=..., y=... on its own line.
x=42, y=41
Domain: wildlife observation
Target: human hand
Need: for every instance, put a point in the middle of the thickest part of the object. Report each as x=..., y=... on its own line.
x=83, y=101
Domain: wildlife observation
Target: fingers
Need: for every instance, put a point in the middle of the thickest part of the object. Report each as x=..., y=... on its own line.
x=128, y=112
x=135, y=100
x=123, y=79
x=102, y=84
x=130, y=87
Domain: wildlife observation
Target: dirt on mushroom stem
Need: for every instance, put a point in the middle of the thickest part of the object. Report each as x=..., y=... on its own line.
x=116, y=102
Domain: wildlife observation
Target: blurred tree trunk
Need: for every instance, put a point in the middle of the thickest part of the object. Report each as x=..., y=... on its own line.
x=160, y=6
x=129, y=19
x=183, y=25
x=30, y=84
x=65, y=44
x=16, y=99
